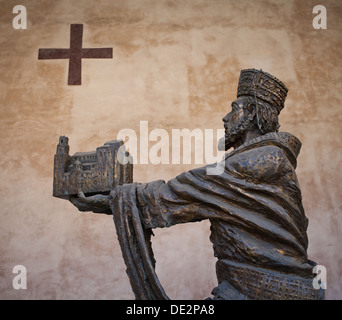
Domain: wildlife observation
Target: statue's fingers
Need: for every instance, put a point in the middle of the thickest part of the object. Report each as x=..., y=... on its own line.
x=72, y=200
x=78, y=204
x=81, y=195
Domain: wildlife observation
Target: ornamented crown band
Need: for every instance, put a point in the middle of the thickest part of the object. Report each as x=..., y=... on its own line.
x=264, y=86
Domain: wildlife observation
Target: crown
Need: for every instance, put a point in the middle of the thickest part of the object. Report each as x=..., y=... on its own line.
x=264, y=86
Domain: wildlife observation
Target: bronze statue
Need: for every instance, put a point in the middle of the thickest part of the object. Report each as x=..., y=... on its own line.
x=258, y=224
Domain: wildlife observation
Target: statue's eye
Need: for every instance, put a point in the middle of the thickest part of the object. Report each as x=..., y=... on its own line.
x=235, y=107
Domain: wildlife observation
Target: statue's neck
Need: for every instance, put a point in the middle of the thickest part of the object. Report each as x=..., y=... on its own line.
x=251, y=135
x=247, y=137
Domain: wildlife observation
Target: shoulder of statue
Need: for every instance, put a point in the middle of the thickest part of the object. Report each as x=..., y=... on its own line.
x=267, y=158
x=284, y=144
x=265, y=163
x=264, y=154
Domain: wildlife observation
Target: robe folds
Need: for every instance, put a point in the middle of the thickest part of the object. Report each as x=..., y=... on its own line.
x=254, y=207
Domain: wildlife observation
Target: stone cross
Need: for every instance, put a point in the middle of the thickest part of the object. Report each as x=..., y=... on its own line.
x=75, y=54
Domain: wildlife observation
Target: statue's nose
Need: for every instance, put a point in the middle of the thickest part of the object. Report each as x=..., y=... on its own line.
x=225, y=118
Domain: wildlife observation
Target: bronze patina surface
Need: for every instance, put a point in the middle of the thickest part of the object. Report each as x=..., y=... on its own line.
x=258, y=223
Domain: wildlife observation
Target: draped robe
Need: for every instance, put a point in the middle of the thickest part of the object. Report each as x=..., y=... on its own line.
x=258, y=224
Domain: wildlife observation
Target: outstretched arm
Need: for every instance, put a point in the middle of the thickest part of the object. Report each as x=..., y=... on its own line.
x=98, y=203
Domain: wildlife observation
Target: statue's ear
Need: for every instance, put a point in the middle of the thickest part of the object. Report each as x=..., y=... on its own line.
x=266, y=118
x=251, y=109
x=252, y=113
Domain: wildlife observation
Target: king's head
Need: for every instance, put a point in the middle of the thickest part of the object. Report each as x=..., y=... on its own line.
x=260, y=98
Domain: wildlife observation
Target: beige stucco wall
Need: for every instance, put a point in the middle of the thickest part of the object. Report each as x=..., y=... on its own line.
x=176, y=65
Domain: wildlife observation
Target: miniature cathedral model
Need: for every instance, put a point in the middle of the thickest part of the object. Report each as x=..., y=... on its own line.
x=90, y=172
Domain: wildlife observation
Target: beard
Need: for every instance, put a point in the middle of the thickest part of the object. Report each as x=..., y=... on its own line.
x=233, y=135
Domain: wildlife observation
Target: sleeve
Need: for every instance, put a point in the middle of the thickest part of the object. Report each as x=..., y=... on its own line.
x=165, y=204
x=191, y=196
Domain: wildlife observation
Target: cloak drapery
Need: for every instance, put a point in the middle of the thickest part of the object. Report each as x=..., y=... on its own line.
x=135, y=242
x=254, y=206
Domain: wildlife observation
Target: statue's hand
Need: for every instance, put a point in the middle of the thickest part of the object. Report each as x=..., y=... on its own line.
x=98, y=203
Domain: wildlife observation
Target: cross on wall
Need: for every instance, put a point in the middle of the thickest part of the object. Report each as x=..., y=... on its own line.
x=75, y=54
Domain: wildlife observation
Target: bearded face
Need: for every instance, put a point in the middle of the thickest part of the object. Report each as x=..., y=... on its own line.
x=236, y=123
